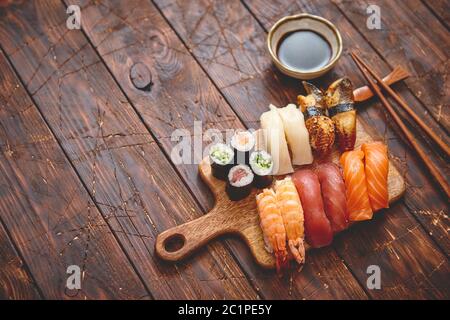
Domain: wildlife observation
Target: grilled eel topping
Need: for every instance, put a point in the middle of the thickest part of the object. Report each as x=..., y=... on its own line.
x=320, y=127
x=340, y=104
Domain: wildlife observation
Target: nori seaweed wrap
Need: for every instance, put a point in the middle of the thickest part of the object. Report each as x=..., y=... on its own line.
x=261, y=164
x=239, y=183
x=222, y=159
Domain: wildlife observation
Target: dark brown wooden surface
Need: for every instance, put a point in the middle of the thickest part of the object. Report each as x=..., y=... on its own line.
x=200, y=101
x=15, y=282
x=86, y=120
x=50, y=217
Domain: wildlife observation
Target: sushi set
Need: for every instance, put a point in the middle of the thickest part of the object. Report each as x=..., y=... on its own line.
x=310, y=172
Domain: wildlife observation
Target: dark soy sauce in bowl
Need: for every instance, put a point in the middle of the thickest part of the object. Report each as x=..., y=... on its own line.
x=304, y=50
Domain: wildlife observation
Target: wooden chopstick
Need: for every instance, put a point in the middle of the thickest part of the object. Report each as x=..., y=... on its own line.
x=431, y=167
x=397, y=74
x=405, y=107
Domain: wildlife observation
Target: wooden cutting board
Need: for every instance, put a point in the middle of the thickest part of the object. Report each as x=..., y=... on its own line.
x=241, y=217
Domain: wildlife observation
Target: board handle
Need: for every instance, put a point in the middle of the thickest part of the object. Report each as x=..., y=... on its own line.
x=180, y=241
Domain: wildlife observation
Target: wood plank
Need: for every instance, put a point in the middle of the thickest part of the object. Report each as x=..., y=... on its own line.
x=48, y=213
x=226, y=40
x=183, y=91
x=130, y=180
x=441, y=9
x=15, y=282
x=425, y=196
x=405, y=38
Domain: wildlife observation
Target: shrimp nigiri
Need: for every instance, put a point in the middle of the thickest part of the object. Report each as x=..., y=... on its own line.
x=358, y=204
x=377, y=167
x=292, y=214
x=272, y=226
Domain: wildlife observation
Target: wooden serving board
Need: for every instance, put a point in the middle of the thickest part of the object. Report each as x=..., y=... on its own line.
x=241, y=217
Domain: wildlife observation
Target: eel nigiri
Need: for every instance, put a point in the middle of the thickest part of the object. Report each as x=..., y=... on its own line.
x=296, y=133
x=358, y=204
x=272, y=227
x=341, y=109
x=320, y=127
x=376, y=169
x=292, y=213
x=317, y=226
x=276, y=141
x=333, y=193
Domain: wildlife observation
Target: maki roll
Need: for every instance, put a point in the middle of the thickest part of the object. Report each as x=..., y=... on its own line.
x=242, y=143
x=261, y=164
x=221, y=156
x=239, y=184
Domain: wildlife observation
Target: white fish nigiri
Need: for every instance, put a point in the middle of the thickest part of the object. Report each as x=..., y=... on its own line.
x=276, y=143
x=296, y=133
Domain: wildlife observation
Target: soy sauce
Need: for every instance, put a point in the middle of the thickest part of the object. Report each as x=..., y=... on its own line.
x=304, y=50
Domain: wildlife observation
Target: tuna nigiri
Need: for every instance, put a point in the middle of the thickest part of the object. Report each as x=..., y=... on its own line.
x=272, y=226
x=296, y=134
x=276, y=141
x=358, y=204
x=333, y=194
x=292, y=213
x=317, y=226
x=376, y=169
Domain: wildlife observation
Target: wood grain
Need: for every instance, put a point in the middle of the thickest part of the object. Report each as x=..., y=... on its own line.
x=240, y=217
x=440, y=8
x=53, y=224
x=425, y=54
x=181, y=94
x=125, y=172
x=15, y=282
x=225, y=39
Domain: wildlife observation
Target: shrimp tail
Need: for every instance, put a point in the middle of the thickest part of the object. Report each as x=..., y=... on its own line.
x=282, y=261
x=297, y=249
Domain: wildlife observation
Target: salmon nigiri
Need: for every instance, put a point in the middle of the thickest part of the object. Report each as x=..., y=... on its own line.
x=377, y=167
x=358, y=204
x=291, y=209
x=272, y=227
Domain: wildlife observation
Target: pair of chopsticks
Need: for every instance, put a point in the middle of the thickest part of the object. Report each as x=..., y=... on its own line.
x=411, y=139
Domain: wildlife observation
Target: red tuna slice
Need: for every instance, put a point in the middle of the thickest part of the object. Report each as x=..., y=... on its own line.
x=317, y=226
x=333, y=195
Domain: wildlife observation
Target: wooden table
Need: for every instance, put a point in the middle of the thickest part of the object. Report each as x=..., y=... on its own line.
x=86, y=118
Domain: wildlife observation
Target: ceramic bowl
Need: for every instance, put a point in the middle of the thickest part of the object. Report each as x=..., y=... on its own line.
x=304, y=21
